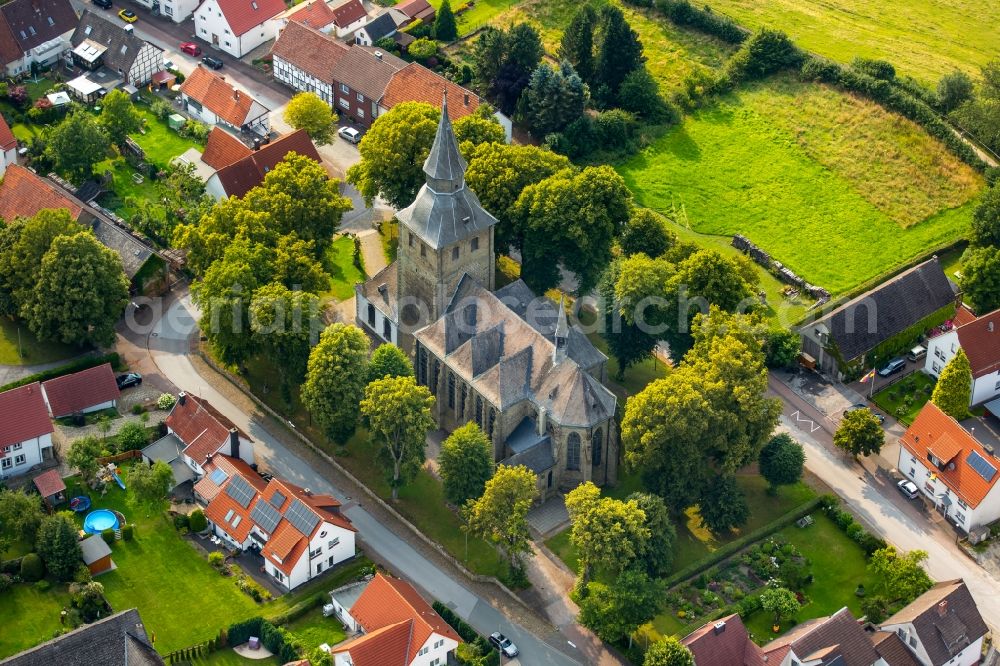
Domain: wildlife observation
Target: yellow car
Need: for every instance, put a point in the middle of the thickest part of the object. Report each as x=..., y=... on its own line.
x=128, y=16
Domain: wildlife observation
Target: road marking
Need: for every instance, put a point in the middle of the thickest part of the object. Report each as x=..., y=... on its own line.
x=813, y=426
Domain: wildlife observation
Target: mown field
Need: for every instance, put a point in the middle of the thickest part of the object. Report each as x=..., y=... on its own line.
x=922, y=38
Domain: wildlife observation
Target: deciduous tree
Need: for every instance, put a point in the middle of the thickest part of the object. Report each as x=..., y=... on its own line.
x=465, y=464
x=25, y=244
x=57, y=545
x=131, y=437
x=781, y=461
x=285, y=324
x=901, y=576
x=981, y=277
x=657, y=552
x=954, y=89
x=75, y=145
x=445, y=27
x=607, y=532
x=119, y=117
x=335, y=380
x=306, y=111
x=986, y=219
x=668, y=651
x=388, y=360
x=640, y=94
x=859, y=433
x=20, y=516
x=83, y=455
x=628, y=342
x=422, y=49
x=723, y=506
x=149, y=485
x=501, y=513
x=646, y=232
x=779, y=601
x=477, y=128
x=397, y=411
x=953, y=391
x=615, y=611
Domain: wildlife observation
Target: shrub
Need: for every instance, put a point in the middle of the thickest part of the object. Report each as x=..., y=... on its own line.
x=128, y=532
x=165, y=401
x=43, y=585
x=682, y=12
x=874, y=608
x=82, y=575
x=422, y=49
x=766, y=52
x=197, y=521
x=748, y=606
x=854, y=531
x=615, y=129
x=138, y=409
x=217, y=560
x=32, y=568
x=6, y=580
x=131, y=436
x=820, y=69
x=108, y=535
x=181, y=520
x=878, y=69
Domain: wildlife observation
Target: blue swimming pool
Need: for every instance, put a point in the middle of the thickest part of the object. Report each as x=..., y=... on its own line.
x=100, y=520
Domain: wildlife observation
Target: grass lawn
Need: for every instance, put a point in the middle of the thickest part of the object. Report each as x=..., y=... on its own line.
x=313, y=630
x=922, y=38
x=892, y=400
x=125, y=188
x=339, y=263
x=13, y=334
x=161, y=143
x=29, y=616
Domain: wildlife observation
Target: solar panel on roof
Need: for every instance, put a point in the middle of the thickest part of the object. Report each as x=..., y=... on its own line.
x=301, y=518
x=981, y=465
x=266, y=516
x=218, y=477
x=277, y=499
x=240, y=490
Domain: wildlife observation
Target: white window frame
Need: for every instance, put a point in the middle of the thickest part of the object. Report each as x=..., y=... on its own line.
x=19, y=460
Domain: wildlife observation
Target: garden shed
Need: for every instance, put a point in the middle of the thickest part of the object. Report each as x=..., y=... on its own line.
x=176, y=121
x=96, y=554
x=51, y=487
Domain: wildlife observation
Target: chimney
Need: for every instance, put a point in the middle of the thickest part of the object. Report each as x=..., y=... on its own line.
x=256, y=143
x=236, y=94
x=181, y=398
x=308, y=492
x=942, y=608
x=378, y=55
x=234, y=443
x=989, y=326
x=718, y=628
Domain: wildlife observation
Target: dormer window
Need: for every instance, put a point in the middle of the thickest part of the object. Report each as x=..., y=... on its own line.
x=935, y=460
x=87, y=30
x=51, y=22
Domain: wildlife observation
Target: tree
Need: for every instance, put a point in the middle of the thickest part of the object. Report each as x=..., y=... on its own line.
x=606, y=532
x=780, y=601
x=618, y=54
x=646, y=232
x=32, y=568
x=224, y=295
x=80, y=294
x=763, y=53
x=953, y=391
x=57, y=545
x=478, y=127
x=781, y=348
x=501, y=513
x=629, y=343
x=306, y=111
x=397, y=411
x=781, y=461
x=616, y=611
x=83, y=455
x=901, y=576
x=335, y=380
x=577, y=44
x=25, y=244
x=859, y=433
x=553, y=99
x=388, y=360
x=668, y=651
x=422, y=49
x=981, y=277
x=954, y=89
x=393, y=153
x=285, y=325
x=149, y=485
x=986, y=219
x=75, y=145
x=445, y=28
x=20, y=516
x=465, y=464
x=119, y=117
x=723, y=506
x=503, y=61
x=640, y=94
x=656, y=552
x=131, y=436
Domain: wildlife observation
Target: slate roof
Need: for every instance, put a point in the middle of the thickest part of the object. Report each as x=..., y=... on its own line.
x=530, y=449
x=222, y=149
x=49, y=483
x=980, y=339
x=23, y=193
x=380, y=26
x=730, y=646
x=218, y=95
x=416, y=83
x=245, y=174
x=168, y=449
x=117, y=640
x=80, y=390
x=383, y=299
x=875, y=316
x=361, y=70
x=34, y=22
x=244, y=15
x=23, y=415
x=945, y=619
x=7, y=138
x=122, y=45
x=348, y=12
x=839, y=635
x=936, y=432
x=310, y=50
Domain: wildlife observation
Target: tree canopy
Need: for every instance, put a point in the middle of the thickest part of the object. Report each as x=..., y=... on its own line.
x=119, y=117
x=628, y=342
x=781, y=461
x=901, y=576
x=284, y=325
x=20, y=516
x=723, y=506
x=75, y=145
x=953, y=391
x=82, y=456
x=646, y=233
x=859, y=433
x=445, y=27
x=336, y=374
x=503, y=60
x=306, y=111
x=554, y=98
x=615, y=611
x=668, y=651
x=57, y=545
x=779, y=601
x=619, y=53
x=501, y=512
x=149, y=485
x=465, y=464
x=577, y=44
x=608, y=533
x=981, y=277
x=986, y=219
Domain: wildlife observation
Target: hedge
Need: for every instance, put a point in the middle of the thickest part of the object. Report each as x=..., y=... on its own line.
x=298, y=610
x=682, y=12
x=468, y=634
x=279, y=641
x=73, y=366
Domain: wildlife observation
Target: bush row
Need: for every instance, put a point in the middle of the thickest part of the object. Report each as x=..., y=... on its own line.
x=852, y=528
x=683, y=13
x=468, y=634
x=71, y=367
x=298, y=610
x=279, y=641
x=612, y=130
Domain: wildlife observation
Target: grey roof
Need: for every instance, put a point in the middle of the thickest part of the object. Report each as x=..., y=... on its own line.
x=530, y=449
x=168, y=448
x=182, y=472
x=133, y=253
x=875, y=316
x=123, y=45
x=945, y=618
x=383, y=298
x=348, y=594
x=367, y=70
x=445, y=162
x=839, y=635
x=117, y=640
x=380, y=26
x=34, y=22
x=94, y=548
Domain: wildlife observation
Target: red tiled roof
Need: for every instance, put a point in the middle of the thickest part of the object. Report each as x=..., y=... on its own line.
x=981, y=341
x=240, y=177
x=415, y=8
x=200, y=426
x=23, y=193
x=315, y=14
x=80, y=390
x=222, y=149
x=23, y=415
x=288, y=544
x=963, y=315
x=49, y=483
x=729, y=647
x=7, y=138
x=349, y=12
x=385, y=646
x=929, y=429
x=219, y=508
x=386, y=601
x=209, y=489
x=244, y=15
x=324, y=506
x=416, y=83
x=309, y=50
x=218, y=96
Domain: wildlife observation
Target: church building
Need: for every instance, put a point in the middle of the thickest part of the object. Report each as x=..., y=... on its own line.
x=505, y=359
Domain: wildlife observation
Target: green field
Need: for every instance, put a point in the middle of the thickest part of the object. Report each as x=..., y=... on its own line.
x=19, y=347
x=922, y=38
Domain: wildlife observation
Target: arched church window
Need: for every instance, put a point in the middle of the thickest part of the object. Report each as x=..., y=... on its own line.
x=491, y=423
x=596, y=443
x=479, y=412
x=387, y=329
x=573, y=451
x=451, y=391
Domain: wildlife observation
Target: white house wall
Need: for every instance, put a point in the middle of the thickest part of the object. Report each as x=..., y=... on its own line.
x=942, y=349
x=7, y=158
x=149, y=62
x=350, y=27
x=31, y=449
x=965, y=517
x=211, y=26
x=361, y=315
x=178, y=10
x=985, y=388
x=444, y=646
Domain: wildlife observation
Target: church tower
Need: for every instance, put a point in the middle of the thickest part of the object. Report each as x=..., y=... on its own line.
x=444, y=234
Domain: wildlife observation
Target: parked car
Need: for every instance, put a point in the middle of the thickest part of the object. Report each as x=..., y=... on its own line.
x=349, y=134
x=212, y=62
x=105, y=4
x=128, y=380
x=191, y=49
x=892, y=367
x=917, y=353
x=908, y=488
x=857, y=406
x=128, y=16
x=503, y=644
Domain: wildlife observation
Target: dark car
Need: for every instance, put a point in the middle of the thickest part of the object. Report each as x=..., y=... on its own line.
x=892, y=367
x=106, y=4
x=503, y=644
x=212, y=62
x=129, y=380
x=857, y=406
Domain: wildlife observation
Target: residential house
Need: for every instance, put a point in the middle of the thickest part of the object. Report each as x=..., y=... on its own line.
x=86, y=391
x=980, y=338
x=25, y=430
x=941, y=626
x=170, y=449
x=725, y=642
x=408, y=11
x=954, y=469
x=349, y=16
x=212, y=99
x=238, y=26
x=176, y=10
x=361, y=76
x=834, y=640
x=205, y=432
x=398, y=627
x=96, y=555
x=238, y=178
x=97, y=42
x=338, y=21
x=381, y=26
x=34, y=31
x=298, y=533
x=304, y=59
x=116, y=640
x=8, y=147
x=847, y=338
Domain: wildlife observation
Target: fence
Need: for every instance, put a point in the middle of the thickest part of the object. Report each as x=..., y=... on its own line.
x=128, y=455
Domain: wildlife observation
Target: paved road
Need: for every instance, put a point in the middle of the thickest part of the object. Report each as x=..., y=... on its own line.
x=871, y=493
x=168, y=343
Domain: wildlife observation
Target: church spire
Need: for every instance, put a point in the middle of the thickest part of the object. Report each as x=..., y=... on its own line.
x=444, y=167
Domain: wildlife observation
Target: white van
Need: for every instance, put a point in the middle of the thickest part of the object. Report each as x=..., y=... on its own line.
x=917, y=353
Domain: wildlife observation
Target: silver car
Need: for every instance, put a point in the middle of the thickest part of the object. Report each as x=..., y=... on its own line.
x=908, y=488
x=349, y=134
x=503, y=644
